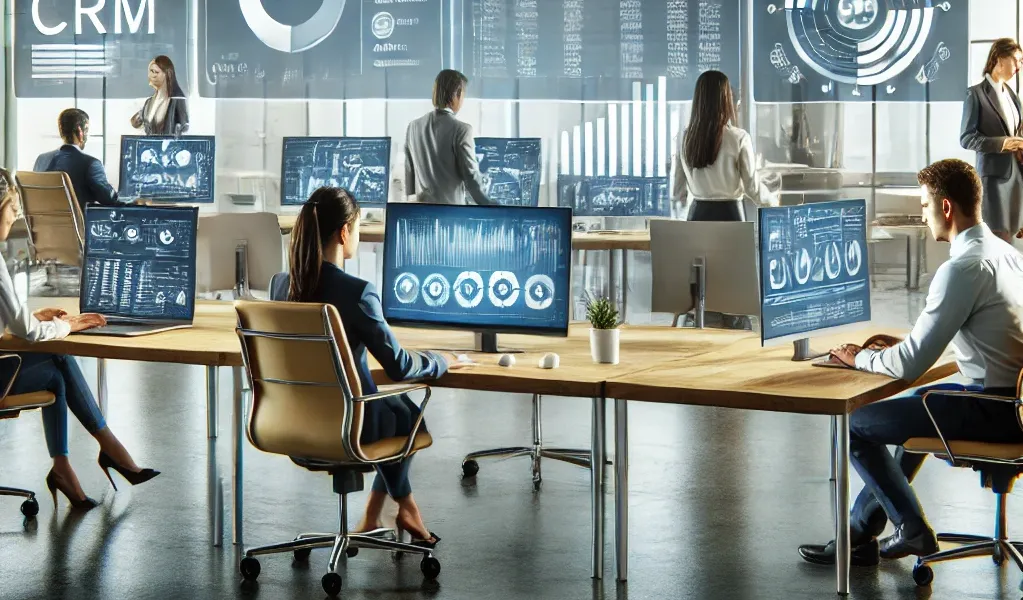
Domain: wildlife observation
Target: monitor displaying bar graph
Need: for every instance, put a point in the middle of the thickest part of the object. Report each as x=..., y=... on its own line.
x=483, y=268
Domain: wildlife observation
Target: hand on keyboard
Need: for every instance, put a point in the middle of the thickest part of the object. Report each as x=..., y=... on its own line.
x=86, y=321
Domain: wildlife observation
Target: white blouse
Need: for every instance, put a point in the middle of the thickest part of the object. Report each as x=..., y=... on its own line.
x=733, y=172
x=16, y=316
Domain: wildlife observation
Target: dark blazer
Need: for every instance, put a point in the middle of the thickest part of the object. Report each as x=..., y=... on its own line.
x=361, y=313
x=88, y=178
x=177, y=114
x=984, y=131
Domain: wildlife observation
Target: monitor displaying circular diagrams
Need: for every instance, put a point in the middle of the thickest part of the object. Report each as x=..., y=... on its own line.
x=483, y=268
x=860, y=50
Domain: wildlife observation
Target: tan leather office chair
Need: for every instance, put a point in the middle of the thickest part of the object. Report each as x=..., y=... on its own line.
x=998, y=464
x=307, y=403
x=11, y=407
x=56, y=227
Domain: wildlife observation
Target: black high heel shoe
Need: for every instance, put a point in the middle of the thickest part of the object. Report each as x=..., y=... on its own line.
x=429, y=543
x=106, y=463
x=53, y=485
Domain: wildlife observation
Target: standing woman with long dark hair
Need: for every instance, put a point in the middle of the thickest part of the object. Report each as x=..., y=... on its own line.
x=166, y=111
x=325, y=234
x=714, y=161
x=991, y=128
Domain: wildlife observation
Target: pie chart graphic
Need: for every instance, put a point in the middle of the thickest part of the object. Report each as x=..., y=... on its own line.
x=406, y=288
x=436, y=290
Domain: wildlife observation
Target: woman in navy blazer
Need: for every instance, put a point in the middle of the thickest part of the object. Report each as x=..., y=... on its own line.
x=325, y=234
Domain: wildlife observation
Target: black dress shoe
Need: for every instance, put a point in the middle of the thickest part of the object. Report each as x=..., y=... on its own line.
x=901, y=545
x=864, y=555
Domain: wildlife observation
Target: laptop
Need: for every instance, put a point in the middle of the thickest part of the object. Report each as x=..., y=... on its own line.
x=138, y=268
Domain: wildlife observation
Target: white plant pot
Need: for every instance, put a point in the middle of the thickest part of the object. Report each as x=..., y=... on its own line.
x=604, y=345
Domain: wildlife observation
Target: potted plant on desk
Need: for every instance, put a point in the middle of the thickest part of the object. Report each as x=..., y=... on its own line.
x=604, y=338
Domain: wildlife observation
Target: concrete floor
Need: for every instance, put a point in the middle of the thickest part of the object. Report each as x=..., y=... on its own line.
x=719, y=501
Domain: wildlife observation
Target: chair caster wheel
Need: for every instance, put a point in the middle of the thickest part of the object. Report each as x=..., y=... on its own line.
x=923, y=575
x=331, y=583
x=30, y=508
x=352, y=552
x=302, y=555
x=470, y=467
x=250, y=568
x=430, y=567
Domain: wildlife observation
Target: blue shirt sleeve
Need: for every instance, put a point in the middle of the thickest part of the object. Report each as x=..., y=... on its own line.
x=399, y=364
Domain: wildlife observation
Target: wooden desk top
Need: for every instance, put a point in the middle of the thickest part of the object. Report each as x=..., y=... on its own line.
x=607, y=240
x=744, y=375
x=211, y=341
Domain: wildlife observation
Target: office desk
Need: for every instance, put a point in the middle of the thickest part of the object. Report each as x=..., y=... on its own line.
x=211, y=342
x=744, y=375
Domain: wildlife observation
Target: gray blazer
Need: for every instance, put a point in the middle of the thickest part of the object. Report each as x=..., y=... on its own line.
x=174, y=123
x=440, y=160
x=984, y=131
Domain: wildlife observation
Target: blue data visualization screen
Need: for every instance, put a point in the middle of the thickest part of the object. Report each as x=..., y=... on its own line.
x=616, y=196
x=167, y=169
x=510, y=169
x=484, y=268
x=813, y=267
x=360, y=165
x=140, y=262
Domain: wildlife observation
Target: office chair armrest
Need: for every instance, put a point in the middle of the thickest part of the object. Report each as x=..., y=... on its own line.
x=941, y=436
x=17, y=369
x=398, y=390
x=386, y=391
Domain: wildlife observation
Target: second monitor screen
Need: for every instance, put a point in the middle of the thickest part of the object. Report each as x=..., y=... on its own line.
x=360, y=165
x=477, y=267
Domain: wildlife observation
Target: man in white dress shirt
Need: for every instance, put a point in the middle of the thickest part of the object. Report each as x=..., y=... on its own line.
x=975, y=302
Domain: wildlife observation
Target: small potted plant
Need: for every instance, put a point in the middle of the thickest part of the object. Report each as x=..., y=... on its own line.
x=604, y=339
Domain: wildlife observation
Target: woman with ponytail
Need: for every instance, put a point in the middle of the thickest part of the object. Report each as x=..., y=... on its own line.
x=325, y=234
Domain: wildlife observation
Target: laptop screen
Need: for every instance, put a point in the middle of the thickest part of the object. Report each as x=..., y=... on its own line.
x=140, y=262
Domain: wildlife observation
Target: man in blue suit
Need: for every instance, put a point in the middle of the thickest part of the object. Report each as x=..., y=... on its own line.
x=88, y=178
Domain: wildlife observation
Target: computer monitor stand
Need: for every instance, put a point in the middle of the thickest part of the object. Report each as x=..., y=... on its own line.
x=487, y=343
x=801, y=350
x=698, y=288
x=373, y=215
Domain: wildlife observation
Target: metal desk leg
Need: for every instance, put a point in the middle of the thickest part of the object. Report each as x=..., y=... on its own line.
x=237, y=439
x=834, y=452
x=625, y=285
x=215, y=491
x=212, y=408
x=612, y=276
x=101, y=384
x=843, y=550
x=597, y=486
x=622, y=488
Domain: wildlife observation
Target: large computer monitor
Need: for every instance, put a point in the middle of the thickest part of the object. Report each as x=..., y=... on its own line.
x=617, y=196
x=487, y=269
x=167, y=168
x=139, y=263
x=726, y=253
x=814, y=271
x=359, y=164
x=511, y=170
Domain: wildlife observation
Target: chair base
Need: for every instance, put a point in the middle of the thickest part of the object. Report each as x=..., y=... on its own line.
x=579, y=457
x=30, y=507
x=972, y=546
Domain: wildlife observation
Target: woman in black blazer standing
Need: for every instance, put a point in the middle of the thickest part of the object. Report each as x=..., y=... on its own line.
x=166, y=111
x=991, y=128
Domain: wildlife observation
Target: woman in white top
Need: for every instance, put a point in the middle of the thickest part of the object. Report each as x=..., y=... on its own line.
x=714, y=161
x=57, y=374
x=165, y=112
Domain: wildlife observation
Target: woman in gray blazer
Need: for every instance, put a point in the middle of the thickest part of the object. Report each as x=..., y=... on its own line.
x=166, y=111
x=991, y=128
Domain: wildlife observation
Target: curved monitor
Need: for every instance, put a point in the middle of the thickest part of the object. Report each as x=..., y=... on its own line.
x=490, y=269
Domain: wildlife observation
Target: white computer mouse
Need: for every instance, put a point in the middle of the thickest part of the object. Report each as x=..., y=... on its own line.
x=506, y=360
x=550, y=361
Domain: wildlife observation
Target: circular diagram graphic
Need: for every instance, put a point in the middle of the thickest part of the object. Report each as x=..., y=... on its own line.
x=292, y=38
x=468, y=289
x=539, y=292
x=853, y=257
x=779, y=278
x=131, y=234
x=436, y=290
x=504, y=289
x=833, y=260
x=406, y=288
x=859, y=42
x=166, y=237
x=803, y=266
x=383, y=25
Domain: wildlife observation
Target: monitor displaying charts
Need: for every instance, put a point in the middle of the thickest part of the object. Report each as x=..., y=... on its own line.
x=510, y=169
x=482, y=268
x=139, y=261
x=813, y=268
x=167, y=169
x=358, y=164
x=617, y=196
